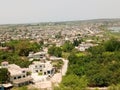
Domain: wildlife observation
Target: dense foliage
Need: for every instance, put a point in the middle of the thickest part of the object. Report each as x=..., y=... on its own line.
x=55, y=51
x=17, y=52
x=101, y=65
x=76, y=42
x=4, y=75
x=67, y=46
x=23, y=47
x=72, y=81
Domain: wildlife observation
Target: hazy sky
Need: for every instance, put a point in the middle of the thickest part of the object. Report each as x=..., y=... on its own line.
x=27, y=11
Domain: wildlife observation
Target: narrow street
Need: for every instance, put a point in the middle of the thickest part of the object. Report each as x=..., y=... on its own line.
x=65, y=66
x=57, y=78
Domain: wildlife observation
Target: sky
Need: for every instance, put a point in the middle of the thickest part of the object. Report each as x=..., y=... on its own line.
x=30, y=11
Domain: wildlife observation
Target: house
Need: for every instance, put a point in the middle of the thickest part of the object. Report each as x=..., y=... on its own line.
x=4, y=48
x=38, y=55
x=6, y=86
x=53, y=58
x=18, y=76
x=42, y=67
x=84, y=46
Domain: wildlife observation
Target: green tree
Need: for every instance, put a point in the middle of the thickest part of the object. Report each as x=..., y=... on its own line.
x=67, y=46
x=76, y=42
x=112, y=45
x=100, y=64
x=51, y=50
x=73, y=82
x=4, y=75
x=56, y=51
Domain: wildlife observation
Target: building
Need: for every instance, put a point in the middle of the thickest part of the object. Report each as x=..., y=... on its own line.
x=53, y=58
x=42, y=67
x=18, y=76
x=38, y=55
x=6, y=86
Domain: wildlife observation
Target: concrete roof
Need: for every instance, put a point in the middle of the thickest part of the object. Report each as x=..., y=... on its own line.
x=38, y=53
x=14, y=69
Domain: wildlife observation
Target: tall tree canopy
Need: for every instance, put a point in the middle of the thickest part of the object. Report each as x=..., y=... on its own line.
x=100, y=65
x=4, y=75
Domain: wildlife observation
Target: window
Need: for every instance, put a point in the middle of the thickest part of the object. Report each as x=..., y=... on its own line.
x=48, y=72
x=23, y=75
x=44, y=73
x=36, y=70
x=19, y=77
x=14, y=77
x=23, y=71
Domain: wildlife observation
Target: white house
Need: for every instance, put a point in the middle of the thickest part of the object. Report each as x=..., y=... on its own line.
x=84, y=46
x=38, y=55
x=53, y=58
x=44, y=67
x=18, y=76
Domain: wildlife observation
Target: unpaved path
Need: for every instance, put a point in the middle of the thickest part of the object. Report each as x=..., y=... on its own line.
x=57, y=78
x=64, y=68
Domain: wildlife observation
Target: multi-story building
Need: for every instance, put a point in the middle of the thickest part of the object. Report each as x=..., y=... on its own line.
x=38, y=55
x=42, y=67
x=18, y=76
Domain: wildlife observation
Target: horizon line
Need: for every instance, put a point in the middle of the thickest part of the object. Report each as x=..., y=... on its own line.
x=59, y=21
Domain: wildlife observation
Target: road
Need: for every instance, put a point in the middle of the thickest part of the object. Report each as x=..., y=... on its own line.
x=64, y=68
x=57, y=78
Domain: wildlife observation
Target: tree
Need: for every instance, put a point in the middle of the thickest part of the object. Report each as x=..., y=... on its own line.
x=76, y=42
x=74, y=82
x=23, y=47
x=67, y=46
x=112, y=45
x=51, y=50
x=4, y=75
x=100, y=64
x=96, y=50
x=56, y=51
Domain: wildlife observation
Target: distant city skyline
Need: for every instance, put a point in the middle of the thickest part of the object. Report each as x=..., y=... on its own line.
x=34, y=11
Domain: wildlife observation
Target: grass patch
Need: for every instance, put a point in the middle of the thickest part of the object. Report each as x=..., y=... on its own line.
x=65, y=54
x=20, y=88
x=80, y=54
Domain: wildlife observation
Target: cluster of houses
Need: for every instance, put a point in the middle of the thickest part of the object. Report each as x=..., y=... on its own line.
x=49, y=33
x=84, y=46
x=18, y=76
x=23, y=76
x=37, y=56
